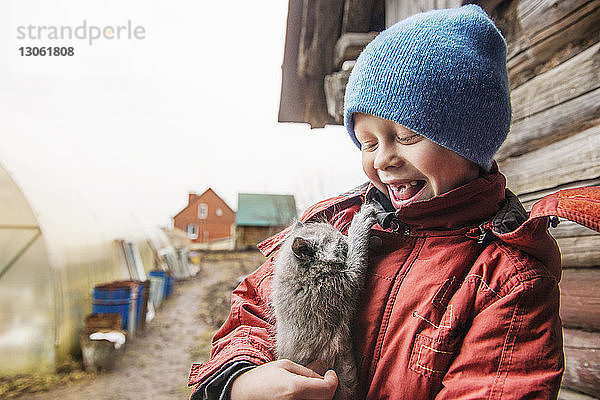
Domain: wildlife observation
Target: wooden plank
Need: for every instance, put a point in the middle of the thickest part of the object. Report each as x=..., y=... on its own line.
x=541, y=20
x=549, y=32
x=397, y=10
x=357, y=15
x=574, y=159
x=321, y=25
x=581, y=251
x=580, y=298
x=569, y=229
x=566, y=394
x=335, y=86
x=349, y=46
x=569, y=80
x=291, y=88
x=536, y=16
x=552, y=125
x=582, y=361
x=489, y=5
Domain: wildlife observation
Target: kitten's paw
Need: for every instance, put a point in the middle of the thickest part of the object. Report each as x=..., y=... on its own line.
x=365, y=218
x=362, y=222
x=368, y=212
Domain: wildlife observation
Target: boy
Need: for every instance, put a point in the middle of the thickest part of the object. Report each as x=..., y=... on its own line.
x=461, y=299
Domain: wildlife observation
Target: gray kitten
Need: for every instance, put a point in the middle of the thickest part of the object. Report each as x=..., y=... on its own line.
x=319, y=274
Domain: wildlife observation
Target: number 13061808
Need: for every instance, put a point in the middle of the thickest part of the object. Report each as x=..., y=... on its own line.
x=47, y=51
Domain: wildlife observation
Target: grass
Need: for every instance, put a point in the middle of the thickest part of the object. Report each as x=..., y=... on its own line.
x=70, y=371
x=201, y=350
x=215, y=302
x=214, y=309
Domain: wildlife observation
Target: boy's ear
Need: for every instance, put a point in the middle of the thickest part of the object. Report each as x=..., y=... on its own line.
x=302, y=248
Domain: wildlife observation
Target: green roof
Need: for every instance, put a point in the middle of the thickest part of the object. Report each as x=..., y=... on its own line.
x=265, y=209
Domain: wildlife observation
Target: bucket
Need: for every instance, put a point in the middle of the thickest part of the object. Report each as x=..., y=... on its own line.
x=157, y=284
x=165, y=278
x=98, y=355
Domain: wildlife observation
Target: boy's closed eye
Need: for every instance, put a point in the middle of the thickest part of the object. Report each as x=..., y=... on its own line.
x=368, y=146
x=409, y=138
x=405, y=139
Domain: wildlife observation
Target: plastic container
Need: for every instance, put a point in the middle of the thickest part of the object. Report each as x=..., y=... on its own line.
x=99, y=355
x=169, y=284
x=165, y=277
x=157, y=284
x=110, y=299
x=118, y=297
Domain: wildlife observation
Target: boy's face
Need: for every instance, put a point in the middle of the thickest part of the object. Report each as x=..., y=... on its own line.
x=406, y=166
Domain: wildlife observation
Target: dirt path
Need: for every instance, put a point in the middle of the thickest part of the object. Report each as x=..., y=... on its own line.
x=156, y=364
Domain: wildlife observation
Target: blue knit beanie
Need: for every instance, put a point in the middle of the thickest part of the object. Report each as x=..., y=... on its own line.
x=441, y=74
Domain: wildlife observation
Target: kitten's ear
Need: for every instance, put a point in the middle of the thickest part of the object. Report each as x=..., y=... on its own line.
x=299, y=224
x=302, y=248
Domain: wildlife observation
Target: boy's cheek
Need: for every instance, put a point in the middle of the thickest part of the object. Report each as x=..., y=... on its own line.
x=374, y=178
x=370, y=171
x=382, y=188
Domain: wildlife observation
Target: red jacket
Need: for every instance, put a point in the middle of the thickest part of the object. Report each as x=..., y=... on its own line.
x=459, y=306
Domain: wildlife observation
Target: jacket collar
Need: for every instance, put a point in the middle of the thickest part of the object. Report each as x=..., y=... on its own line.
x=465, y=206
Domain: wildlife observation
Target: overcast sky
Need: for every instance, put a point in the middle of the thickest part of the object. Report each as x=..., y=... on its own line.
x=192, y=105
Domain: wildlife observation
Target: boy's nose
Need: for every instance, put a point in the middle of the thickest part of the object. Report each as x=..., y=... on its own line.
x=387, y=156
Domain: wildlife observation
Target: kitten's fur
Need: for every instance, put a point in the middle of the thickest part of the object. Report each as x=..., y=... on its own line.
x=319, y=274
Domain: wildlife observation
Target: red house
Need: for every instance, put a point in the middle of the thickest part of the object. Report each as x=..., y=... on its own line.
x=206, y=217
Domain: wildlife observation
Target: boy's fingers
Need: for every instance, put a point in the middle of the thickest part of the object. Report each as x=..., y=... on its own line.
x=318, y=388
x=331, y=376
x=298, y=369
x=317, y=367
x=309, y=384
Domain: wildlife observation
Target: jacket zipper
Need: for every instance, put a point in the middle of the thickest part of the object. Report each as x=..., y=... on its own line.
x=400, y=227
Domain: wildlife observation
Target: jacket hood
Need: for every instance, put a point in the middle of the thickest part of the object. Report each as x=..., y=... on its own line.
x=580, y=205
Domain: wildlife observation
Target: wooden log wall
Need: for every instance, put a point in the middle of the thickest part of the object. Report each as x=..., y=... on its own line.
x=554, y=143
x=397, y=10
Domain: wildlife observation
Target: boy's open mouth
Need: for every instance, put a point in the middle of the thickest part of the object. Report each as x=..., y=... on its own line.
x=404, y=193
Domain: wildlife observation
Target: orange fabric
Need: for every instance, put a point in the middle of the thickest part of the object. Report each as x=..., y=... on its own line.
x=581, y=205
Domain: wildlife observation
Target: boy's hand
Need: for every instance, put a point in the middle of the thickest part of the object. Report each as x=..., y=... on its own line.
x=283, y=379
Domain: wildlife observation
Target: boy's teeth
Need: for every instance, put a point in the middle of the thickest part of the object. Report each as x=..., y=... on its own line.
x=403, y=192
x=407, y=185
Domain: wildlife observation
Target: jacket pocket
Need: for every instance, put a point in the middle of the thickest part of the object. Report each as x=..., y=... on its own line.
x=431, y=357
